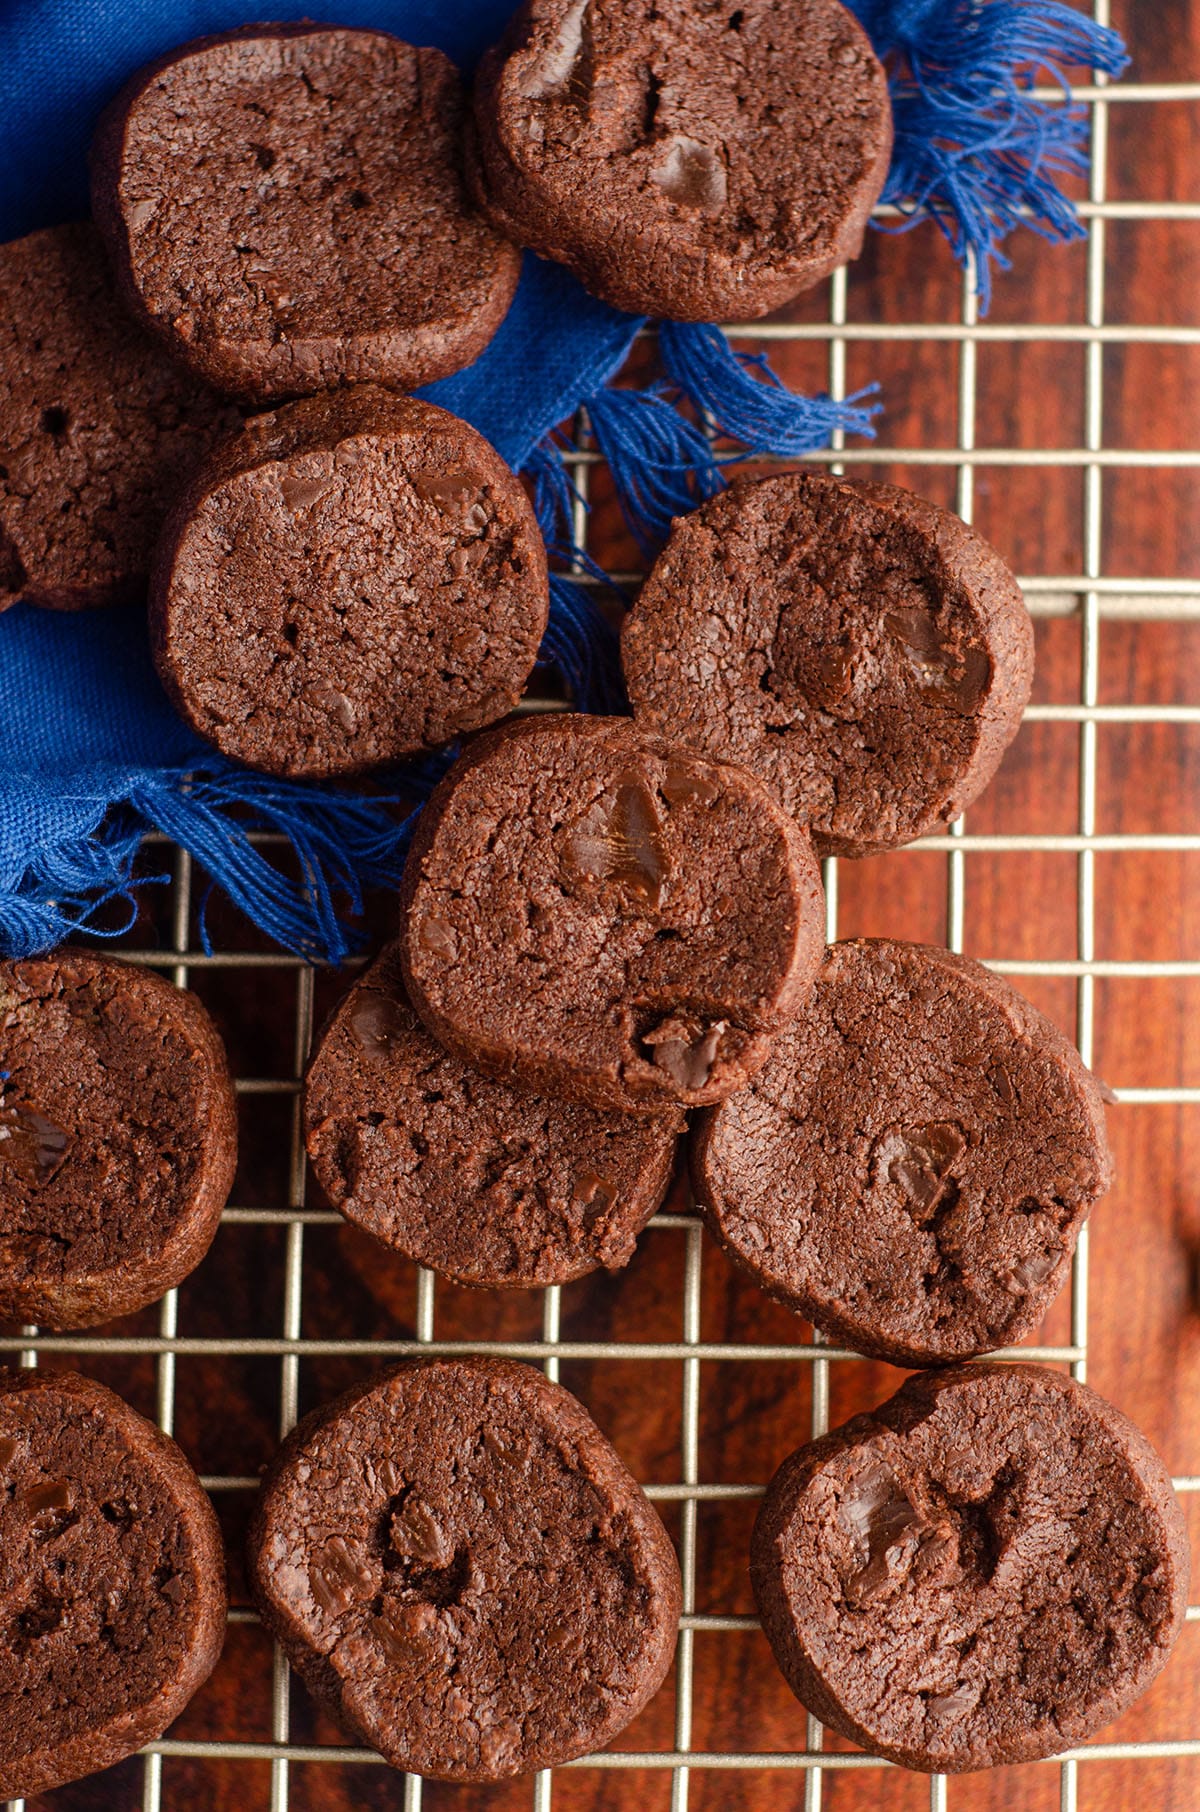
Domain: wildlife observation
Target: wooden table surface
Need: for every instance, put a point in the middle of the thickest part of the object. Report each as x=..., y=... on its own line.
x=1124, y=778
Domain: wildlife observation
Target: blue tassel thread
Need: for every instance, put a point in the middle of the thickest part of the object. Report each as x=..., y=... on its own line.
x=664, y=464
x=975, y=151
x=343, y=845
x=580, y=643
x=69, y=888
x=741, y=395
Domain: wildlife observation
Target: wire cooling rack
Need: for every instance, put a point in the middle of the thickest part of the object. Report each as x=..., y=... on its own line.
x=294, y=1760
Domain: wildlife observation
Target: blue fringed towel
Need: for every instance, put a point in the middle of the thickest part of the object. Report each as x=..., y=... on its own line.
x=91, y=754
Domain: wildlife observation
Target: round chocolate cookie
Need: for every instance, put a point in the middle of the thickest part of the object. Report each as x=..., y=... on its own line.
x=460, y=1568
x=118, y=1138
x=690, y=161
x=112, y=1581
x=987, y=1569
x=911, y=1168
x=600, y=915
x=97, y=427
x=285, y=206
x=865, y=652
x=354, y=578
x=478, y=1180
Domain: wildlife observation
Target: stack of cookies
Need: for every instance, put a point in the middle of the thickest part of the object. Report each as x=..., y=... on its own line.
x=611, y=930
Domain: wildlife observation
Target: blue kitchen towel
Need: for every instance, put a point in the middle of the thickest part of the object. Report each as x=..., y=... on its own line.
x=92, y=755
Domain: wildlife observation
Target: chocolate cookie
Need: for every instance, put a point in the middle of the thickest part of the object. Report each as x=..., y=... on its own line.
x=603, y=916
x=478, y=1180
x=688, y=161
x=97, y=427
x=112, y=1581
x=866, y=653
x=285, y=207
x=987, y=1569
x=118, y=1138
x=460, y=1568
x=353, y=578
x=911, y=1169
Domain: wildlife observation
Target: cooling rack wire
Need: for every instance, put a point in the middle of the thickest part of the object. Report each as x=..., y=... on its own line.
x=1092, y=595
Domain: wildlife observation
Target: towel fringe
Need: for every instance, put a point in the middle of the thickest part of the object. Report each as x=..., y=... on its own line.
x=975, y=151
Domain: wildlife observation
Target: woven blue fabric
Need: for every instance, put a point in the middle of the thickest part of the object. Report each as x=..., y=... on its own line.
x=91, y=754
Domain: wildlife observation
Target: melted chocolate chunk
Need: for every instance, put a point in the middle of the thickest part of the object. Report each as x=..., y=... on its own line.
x=597, y=1195
x=1028, y=1273
x=1002, y=1082
x=619, y=840
x=459, y=496
x=681, y=783
x=436, y=935
x=415, y=1531
x=918, y=1160
x=691, y=174
x=52, y=1494
x=399, y=1629
x=301, y=493
x=880, y=1518
x=378, y=1023
x=951, y=1705
x=340, y=1575
x=686, y=1049
x=32, y=1145
x=963, y=673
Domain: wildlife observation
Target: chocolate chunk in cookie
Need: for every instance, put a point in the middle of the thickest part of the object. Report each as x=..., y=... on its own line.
x=112, y=1581
x=481, y=1181
x=912, y=1167
x=285, y=207
x=865, y=652
x=118, y=1138
x=353, y=578
x=604, y=916
x=462, y=1571
x=987, y=1569
x=98, y=428
x=690, y=161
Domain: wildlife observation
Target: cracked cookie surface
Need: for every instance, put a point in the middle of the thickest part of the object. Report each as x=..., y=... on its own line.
x=98, y=427
x=461, y=1569
x=483, y=1182
x=600, y=915
x=986, y=1569
x=112, y=1581
x=866, y=653
x=685, y=158
x=911, y=1168
x=118, y=1138
x=354, y=578
x=285, y=206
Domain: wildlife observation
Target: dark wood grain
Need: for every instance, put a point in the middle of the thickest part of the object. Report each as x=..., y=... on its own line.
x=1144, y=1344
